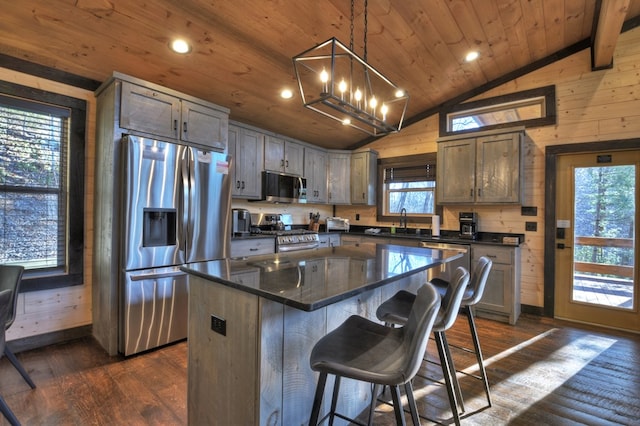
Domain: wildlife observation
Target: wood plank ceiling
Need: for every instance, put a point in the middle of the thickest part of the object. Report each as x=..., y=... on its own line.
x=242, y=49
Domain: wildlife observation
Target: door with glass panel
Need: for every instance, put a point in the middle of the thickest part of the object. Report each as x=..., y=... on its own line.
x=596, y=261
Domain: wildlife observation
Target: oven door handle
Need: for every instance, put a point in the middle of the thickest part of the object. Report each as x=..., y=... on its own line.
x=296, y=247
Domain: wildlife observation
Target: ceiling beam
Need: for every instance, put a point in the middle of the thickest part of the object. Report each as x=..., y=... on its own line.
x=609, y=25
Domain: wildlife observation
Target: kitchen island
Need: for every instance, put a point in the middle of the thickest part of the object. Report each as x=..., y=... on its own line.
x=253, y=322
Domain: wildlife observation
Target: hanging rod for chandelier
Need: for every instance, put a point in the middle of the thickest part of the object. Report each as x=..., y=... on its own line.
x=334, y=81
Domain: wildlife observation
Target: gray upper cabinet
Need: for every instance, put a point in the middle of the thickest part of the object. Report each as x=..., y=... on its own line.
x=203, y=126
x=315, y=171
x=246, y=148
x=283, y=156
x=483, y=169
x=363, y=177
x=339, y=177
x=150, y=111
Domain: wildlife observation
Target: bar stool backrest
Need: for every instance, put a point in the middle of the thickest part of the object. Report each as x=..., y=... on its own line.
x=452, y=299
x=10, y=279
x=478, y=281
x=5, y=306
x=418, y=327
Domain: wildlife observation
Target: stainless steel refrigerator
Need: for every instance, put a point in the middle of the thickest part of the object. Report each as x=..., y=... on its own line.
x=176, y=210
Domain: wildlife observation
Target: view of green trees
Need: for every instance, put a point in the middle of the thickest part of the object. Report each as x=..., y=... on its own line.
x=605, y=207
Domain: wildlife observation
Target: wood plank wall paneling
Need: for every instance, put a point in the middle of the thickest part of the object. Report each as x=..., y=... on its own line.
x=52, y=310
x=591, y=106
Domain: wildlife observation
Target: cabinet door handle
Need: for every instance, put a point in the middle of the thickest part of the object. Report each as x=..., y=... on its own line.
x=175, y=126
x=471, y=192
x=286, y=163
x=242, y=184
x=237, y=184
x=282, y=163
x=184, y=127
x=479, y=192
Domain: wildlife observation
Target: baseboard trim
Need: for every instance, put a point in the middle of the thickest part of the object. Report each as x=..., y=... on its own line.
x=533, y=310
x=46, y=339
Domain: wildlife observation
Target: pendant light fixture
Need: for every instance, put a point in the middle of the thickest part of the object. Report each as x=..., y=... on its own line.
x=336, y=82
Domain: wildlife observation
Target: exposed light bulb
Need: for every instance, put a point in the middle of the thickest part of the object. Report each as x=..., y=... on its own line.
x=324, y=76
x=373, y=103
x=357, y=95
x=384, y=110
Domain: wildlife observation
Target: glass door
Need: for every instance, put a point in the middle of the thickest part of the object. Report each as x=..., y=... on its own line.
x=596, y=261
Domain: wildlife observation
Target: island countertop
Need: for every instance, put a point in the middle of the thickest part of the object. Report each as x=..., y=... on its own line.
x=312, y=279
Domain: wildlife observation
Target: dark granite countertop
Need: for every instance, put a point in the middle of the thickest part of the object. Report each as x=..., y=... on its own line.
x=312, y=279
x=446, y=236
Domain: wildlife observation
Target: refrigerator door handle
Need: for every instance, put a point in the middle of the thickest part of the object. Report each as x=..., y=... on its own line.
x=183, y=212
x=156, y=275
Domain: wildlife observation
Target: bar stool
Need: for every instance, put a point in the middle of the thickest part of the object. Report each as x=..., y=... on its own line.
x=5, y=307
x=364, y=350
x=395, y=312
x=471, y=297
x=10, y=279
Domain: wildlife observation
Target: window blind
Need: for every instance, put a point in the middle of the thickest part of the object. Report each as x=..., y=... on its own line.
x=33, y=169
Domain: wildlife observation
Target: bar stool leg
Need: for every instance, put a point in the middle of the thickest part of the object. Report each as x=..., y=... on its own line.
x=446, y=371
x=413, y=409
x=479, y=358
x=452, y=371
x=317, y=399
x=397, y=407
x=19, y=367
x=334, y=400
x=374, y=398
x=4, y=409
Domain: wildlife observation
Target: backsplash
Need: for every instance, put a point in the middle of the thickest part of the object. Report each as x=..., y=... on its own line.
x=298, y=212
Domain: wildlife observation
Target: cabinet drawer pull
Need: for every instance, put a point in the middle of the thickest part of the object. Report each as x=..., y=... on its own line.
x=253, y=249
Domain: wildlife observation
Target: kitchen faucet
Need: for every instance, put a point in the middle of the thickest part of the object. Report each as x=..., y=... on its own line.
x=403, y=219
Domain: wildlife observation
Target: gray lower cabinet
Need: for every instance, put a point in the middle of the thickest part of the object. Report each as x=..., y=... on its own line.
x=252, y=246
x=329, y=240
x=501, y=299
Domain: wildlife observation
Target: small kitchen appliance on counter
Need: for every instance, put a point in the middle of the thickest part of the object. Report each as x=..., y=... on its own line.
x=468, y=225
x=337, y=224
x=241, y=222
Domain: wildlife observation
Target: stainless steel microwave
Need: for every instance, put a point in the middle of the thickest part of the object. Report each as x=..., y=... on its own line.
x=282, y=188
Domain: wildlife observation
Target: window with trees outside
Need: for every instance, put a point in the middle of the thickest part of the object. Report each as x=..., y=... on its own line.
x=42, y=185
x=408, y=184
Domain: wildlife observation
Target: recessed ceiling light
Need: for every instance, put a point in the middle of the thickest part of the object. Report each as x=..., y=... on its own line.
x=472, y=56
x=286, y=94
x=180, y=46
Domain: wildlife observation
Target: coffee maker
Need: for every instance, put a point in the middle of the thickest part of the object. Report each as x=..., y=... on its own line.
x=241, y=222
x=468, y=225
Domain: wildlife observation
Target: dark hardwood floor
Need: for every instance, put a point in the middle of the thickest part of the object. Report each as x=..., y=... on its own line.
x=542, y=372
